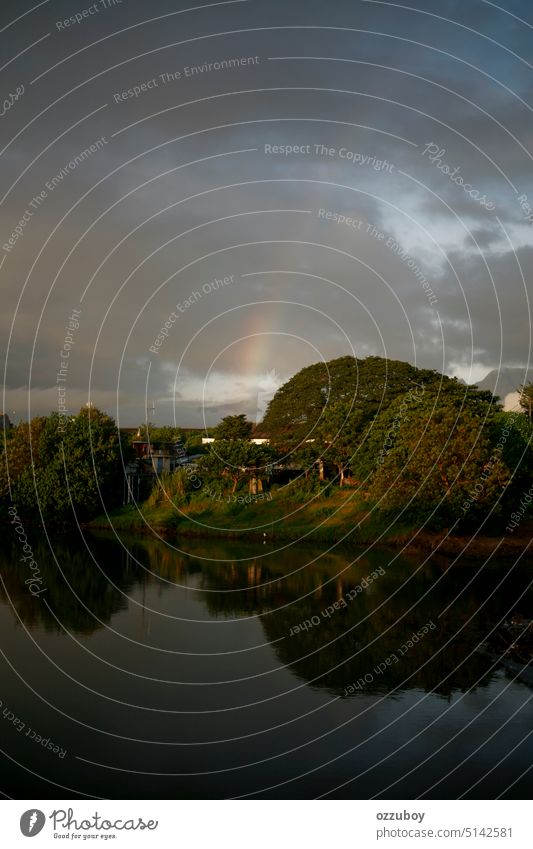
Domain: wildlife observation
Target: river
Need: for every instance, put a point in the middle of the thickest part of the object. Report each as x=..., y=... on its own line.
x=231, y=669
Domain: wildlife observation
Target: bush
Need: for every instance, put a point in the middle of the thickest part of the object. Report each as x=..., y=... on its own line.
x=172, y=487
x=303, y=489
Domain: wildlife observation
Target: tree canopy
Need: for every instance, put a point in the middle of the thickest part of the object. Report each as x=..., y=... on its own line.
x=59, y=466
x=365, y=386
x=441, y=457
x=526, y=398
x=235, y=460
x=233, y=427
x=160, y=435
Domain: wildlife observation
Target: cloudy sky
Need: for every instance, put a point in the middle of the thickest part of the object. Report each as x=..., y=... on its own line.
x=227, y=192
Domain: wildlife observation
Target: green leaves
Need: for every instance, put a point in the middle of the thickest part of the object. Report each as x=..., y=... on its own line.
x=526, y=399
x=233, y=427
x=160, y=435
x=365, y=387
x=76, y=466
x=235, y=460
x=440, y=463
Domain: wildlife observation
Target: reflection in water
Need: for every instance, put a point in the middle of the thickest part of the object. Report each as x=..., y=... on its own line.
x=139, y=624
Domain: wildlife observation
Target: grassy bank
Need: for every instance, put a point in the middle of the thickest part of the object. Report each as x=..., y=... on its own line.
x=276, y=517
x=343, y=516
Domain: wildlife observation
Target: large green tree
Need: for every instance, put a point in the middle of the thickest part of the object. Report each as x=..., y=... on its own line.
x=339, y=431
x=526, y=399
x=234, y=460
x=383, y=429
x=77, y=465
x=442, y=464
x=160, y=435
x=366, y=386
x=21, y=449
x=233, y=427
x=512, y=436
x=309, y=458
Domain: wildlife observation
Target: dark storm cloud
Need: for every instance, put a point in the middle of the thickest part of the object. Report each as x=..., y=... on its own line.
x=143, y=229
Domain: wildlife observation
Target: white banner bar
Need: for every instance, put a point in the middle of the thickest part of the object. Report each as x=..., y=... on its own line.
x=264, y=824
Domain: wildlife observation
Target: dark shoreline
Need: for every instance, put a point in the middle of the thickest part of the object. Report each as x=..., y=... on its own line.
x=467, y=547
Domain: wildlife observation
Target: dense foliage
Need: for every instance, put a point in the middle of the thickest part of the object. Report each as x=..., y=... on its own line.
x=440, y=467
x=233, y=427
x=417, y=444
x=526, y=398
x=364, y=387
x=160, y=435
x=55, y=467
x=234, y=460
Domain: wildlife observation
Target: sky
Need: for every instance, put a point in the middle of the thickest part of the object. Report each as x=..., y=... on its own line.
x=198, y=200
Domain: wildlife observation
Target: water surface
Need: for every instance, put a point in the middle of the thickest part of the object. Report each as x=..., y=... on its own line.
x=152, y=673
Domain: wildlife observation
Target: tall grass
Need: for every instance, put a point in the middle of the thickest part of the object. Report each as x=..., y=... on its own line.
x=170, y=487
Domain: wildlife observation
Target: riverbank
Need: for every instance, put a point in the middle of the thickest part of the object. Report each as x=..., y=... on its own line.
x=342, y=517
